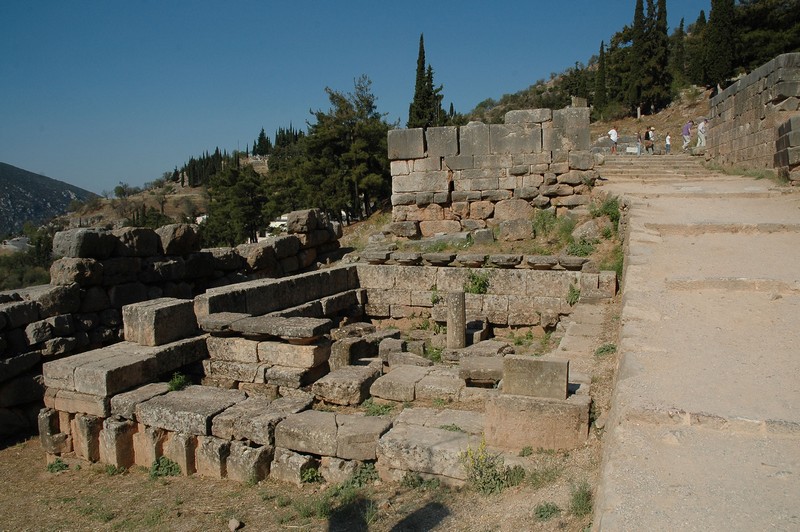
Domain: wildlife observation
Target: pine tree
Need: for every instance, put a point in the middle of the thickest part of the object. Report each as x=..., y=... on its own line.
x=426, y=107
x=677, y=56
x=638, y=50
x=696, y=69
x=721, y=41
x=656, y=74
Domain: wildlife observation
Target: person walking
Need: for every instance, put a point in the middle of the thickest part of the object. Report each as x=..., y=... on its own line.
x=701, y=133
x=614, y=136
x=686, y=132
x=667, y=144
x=638, y=143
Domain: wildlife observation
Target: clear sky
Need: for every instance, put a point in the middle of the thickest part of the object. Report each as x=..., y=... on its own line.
x=100, y=92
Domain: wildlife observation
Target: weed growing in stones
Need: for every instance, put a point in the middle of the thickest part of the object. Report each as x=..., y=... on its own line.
x=415, y=481
x=477, y=282
x=310, y=476
x=452, y=427
x=542, y=476
x=580, y=503
x=164, y=467
x=56, y=466
x=434, y=354
x=179, y=381
x=526, y=451
x=371, y=408
x=605, y=350
x=609, y=207
x=582, y=248
x=486, y=471
x=112, y=470
x=573, y=295
x=546, y=510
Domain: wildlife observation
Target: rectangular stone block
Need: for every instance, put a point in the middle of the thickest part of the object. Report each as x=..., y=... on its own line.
x=357, y=437
x=294, y=377
x=292, y=355
x=211, y=456
x=442, y=141
x=248, y=464
x=308, y=432
x=348, y=385
x=289, y=466
x=189, y=410
x=425, y=450
x=528, y=116
x=232, y=349
x=406, y=144
x=180, y=448
x=235, y=371
x=124, y=404
x=159, y=321
x=256, y=418
x=474, y=139
x=148, y=444
x=116, y=442
x=459, y=162
x=533, y=377
x=430, y=181
x=514, y=422
x=514, y=138
x=76, y=402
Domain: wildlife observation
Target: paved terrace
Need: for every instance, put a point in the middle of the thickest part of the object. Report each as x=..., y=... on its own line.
x=704, y=432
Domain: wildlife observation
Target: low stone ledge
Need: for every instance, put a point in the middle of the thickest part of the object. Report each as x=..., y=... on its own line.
x=189, y=410
x=311, y=432
x=399, y=384
x=220, y=322
x=255, y=418
x=287, y=328
x=124, y=404
x=348, y=385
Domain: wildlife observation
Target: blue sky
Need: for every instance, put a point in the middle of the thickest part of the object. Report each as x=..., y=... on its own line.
x=98, y=92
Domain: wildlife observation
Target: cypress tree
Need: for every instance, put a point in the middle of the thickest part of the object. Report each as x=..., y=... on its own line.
x=721, y=41
x=638, y=51
x=600, y=91
x=656, y=92
x=695, y=51
x=426, y=107
x=677, y=56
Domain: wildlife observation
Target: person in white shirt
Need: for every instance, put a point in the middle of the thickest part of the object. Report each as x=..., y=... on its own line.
x=701, y=133
x=614, y=136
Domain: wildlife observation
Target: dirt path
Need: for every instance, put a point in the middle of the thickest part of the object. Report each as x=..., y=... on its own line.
x=705, y=428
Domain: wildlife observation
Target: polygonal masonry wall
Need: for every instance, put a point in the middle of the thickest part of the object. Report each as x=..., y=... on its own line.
x=105, y=405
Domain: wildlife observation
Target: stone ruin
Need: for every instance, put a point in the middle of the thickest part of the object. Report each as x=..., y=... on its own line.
x=266, y=351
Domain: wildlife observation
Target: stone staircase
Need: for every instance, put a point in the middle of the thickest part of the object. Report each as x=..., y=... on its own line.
x=653, y=167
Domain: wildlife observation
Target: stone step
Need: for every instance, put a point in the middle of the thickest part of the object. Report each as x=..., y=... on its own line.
x=291, y=329
x=188, y=411
x=346, y=386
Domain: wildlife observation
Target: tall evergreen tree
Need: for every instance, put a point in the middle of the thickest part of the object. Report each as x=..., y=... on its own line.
x=656, y=74
x=635, y=83
x=426, y=107
x=677, y=56
x=721, y=41
x=600, y=90
x=696, y=58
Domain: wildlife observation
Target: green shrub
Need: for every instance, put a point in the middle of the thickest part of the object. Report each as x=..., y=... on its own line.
x=609, y=207
x=581, y=499
x=164, y=467
x=415, y=481
x=573, y=295
x=605, y=349
x=543, y=222
x=614, y=262
x=582, y=248
x=486, y=471
x=56, y=466
x=477, y=282
x=546, y=510
x=526, y=451
x=434, y=354
x=371, y=408
x=179, y=381
x=310, y=476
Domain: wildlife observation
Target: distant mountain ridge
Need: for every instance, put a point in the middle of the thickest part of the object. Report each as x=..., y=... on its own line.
x=26, y=196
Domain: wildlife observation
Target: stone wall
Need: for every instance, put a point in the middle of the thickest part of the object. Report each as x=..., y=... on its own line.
x=751, y=121
x=101, y=271
x=452, y=179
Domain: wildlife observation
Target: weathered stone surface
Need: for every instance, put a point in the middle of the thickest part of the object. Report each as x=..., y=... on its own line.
x=189, y=410
x=439, y=384
x=534, y=377
x=19, y=313
x=289, y=328
x=352, y=330
x=159, y=321
x=466, y=421
x=16, y=365
x=211, y=456
x=85, y=431
x=406, y=144
x=124, y=404
x=179, y=239
x=434, y=227
x=259, y=257
x=289, y=466
x=294, y=377
x=26, y=388
x=357, y=436
x=125, y=294
x=308, y=432
x=399, y=384
x=180, y=448
x=232, y=349
x=399, y=358
x=248, y=464
x=148, y=444
x=442, y=141
x=255, y=419
x=335, y=470
x=404, y=229
x=425, y=450
x=219, y=322
x=68, y=270
x=235, y=371
x=480, y=369
x=541, y=262
x=304, y=221
x=292, y=355
x=345, y=351
x=116, y=442
x=136, y=242
x=75, y=402
x=84, y=243
x=346, y=386
x=515, y=421
x=474, y=139
x=528, y=116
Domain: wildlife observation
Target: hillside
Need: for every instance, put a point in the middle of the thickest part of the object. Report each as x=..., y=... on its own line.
x=25, y=196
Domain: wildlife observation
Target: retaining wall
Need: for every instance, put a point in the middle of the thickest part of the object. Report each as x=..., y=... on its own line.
x=753, y=122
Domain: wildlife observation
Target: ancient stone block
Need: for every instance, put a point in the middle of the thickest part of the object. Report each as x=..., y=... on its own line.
x=474, y=139
x=514, y=138
x=189, y=410
x=434, y=227
x=248, y=464
x=291, y=355
x=442, y=141
x=75, y=402
x=16, y=365
x=406, y=143
x=289, y=466
x=535, y=377
x=438, y=384
x=480, y=370
x=467, y=421
x=335, y=470
x=514, y=230
x=528, y=116
x=289, y=328
x=348, y=385
x=357, y=436
x=180, y=448
x=128, y=293
x=116, y=442
x=148, y=445
x=294, y=377
x=232, y=349
x=124, y=404
x=308, y=432
x=179, y=239
x=159, y=321
x=303, y=221
x=84, y=272
x=136, y=242
x=84, y=243
x=211, y=456
x=19, y=313
x=514, y=422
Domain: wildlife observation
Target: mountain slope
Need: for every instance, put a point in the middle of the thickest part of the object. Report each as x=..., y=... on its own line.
x=25, y=196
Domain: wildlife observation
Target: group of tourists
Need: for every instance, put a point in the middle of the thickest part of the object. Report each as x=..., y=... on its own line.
x=648, y=141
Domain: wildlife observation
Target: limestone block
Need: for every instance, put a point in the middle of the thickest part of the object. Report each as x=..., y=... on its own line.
x=303, y=221
x=179, y=239
x=84, y=243
x=248, y=464
x=406, y=144
x=38, y=331
x=292, y=355
x=514, y=138
x=159, y=321
x=148, y=445
x=534, y=377
x=180, y=448
x=211, y=457
x=496, y=195
x=352, y=330
x=395, y=359
x=235, y=371
x=439, y=384
x=481, y=370
x=19, y=313
x=430, y=181
x=515, y=230
x=458, y=162
x=357, y=436
x=118, y=270
x=294, y=377
x=289, y=466
x=406, y=198
x=128, y=293
x=335, y=470
x=528, y=116
x=347, y=350
x=428, y=164
x=442, y=141
x=289, y=264
x=513, y=209
x=116, y=442
x=124, y=404
x=310, y=431
x=54, y=300
x=84, y=272
x=514, y=422
x=434, y=227
x=288, y=328
x=85, y=431
x=16, y=365
x=53, y=441
x=425, y=450
x=467, y=421
x=255, y=419
x=474, y=139
x=374, y=276
x=75, y=402
x=119, y=368
x=232, y=349
x=259, y=257
x=399, y=167
x=189, y=410
x=404, y=229
x=348, y=385
x=136, y=242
